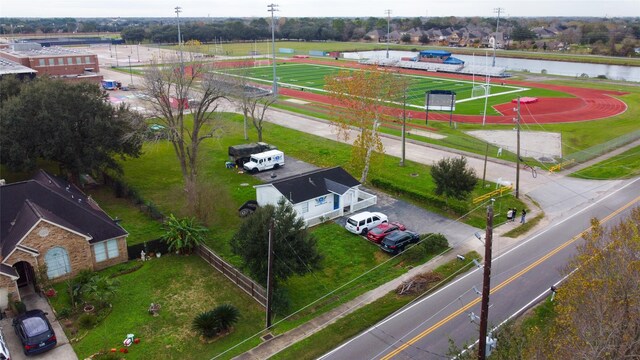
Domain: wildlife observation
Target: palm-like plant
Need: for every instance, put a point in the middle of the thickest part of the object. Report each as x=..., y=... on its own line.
x=211, y=323
x=183, y=235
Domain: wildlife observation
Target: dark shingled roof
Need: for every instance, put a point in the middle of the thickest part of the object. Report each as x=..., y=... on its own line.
x=315, y=183
x=46, y=197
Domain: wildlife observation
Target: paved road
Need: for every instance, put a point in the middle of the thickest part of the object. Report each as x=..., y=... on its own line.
x=519, y=276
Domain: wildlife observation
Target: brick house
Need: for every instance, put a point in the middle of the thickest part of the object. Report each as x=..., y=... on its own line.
x=47, y=220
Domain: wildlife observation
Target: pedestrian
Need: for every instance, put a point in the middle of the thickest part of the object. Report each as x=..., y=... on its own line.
x=524, y=214
x=515, y=213
x=509, y=214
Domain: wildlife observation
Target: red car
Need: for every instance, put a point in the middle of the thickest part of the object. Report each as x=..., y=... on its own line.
x=378, y=233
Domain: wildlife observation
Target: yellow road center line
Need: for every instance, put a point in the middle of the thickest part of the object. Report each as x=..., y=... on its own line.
x=503, y=284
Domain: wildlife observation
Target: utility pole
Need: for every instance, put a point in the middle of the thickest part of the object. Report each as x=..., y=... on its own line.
x=273, y=8
x=388, y=12
x=130, y=73
x=404, y=122
x=486, y=286
x=484, y=171
x=178, y=10
x=495, y=43
x=115, y=48
x=270, y=273
x=518, y=151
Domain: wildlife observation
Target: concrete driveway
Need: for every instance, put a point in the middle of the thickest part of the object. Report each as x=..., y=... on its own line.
x=63, y=351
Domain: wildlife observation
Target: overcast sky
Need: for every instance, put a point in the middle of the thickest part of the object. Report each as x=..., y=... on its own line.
x=316, y=8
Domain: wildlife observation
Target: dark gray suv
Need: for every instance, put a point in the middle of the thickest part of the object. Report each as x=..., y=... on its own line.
x=397, y=241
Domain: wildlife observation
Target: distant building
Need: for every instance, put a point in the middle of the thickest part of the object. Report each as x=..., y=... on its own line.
x=10, y=68
x=70, y=64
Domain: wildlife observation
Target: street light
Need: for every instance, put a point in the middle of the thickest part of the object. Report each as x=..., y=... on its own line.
x=495, y=42
x=388, y=12
x=130, y=73
x=178, y=10
x=273, y=8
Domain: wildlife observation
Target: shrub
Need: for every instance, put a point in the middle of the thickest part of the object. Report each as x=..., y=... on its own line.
x=106, y=355
x=433, y=243
x=19, y=307
x=453, y=205
x=64, y=313
x=211, y=323
x=87, y=321
x=453, y=178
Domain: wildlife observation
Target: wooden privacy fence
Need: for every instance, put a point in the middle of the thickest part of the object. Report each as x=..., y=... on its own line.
x=249, y=286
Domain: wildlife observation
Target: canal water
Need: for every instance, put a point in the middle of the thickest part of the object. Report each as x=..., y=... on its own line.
x=614, y=72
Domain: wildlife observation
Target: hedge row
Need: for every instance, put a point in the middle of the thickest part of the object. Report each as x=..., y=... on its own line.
x=455, y=206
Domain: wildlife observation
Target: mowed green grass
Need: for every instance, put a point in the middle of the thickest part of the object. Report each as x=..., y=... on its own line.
x=311, y=77
x=622, y=166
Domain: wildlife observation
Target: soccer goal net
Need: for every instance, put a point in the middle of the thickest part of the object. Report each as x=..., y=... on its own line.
x=480, y=91
x=257, y=63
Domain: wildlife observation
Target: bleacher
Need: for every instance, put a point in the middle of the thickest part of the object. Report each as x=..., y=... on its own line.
x=483, y=70
x=480, y=70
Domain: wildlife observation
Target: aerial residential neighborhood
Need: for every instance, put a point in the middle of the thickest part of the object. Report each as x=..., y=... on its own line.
x=315, y=182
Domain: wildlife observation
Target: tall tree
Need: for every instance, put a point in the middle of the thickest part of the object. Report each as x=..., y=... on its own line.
x=361, y=97
x=185, y=97
x=295, y=250
x=71, y=124
x=598, y=307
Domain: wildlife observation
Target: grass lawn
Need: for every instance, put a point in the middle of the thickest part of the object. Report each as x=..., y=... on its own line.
x=140, y=227
x=184, y=286
x=622, y=166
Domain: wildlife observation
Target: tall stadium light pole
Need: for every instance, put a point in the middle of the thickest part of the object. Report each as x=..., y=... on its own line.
x=495, y=43
x=178, y=11
x=273, y=8
x=486, y=286
x=388, y=12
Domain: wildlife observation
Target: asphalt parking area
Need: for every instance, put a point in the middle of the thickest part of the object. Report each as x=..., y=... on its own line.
x=413, y=217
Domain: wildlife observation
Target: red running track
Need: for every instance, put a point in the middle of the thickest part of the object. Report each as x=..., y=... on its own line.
x=586, y=105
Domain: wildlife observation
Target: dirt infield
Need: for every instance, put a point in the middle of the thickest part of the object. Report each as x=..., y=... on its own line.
x=588, y=104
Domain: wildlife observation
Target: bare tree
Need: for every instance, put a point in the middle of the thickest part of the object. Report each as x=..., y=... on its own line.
x=184, y=97
x=361, y=97
x=253, y=101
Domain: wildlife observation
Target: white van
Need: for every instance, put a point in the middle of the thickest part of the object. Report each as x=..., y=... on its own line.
x=271, y=159
x=363, y=222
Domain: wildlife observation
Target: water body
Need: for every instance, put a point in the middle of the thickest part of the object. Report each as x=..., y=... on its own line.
x=614, y=72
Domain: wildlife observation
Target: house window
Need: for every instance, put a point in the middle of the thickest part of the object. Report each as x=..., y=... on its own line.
x=304, y=207
x=78, y=60
x=57, y=260
x=70, y=61
x=106, y=250
x=87, y=60
x=41, y=62
x=60, y=61
x=52, y=62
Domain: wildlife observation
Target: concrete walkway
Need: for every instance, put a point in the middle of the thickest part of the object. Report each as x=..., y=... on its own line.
x=62, y=351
